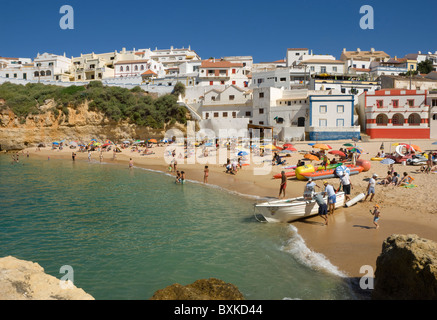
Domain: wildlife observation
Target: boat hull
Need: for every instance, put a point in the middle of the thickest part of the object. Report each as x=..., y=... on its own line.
x=292, y=209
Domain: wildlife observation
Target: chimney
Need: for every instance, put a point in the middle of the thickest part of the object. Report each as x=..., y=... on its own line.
x=344, y=50
x=358, y=50
x=372, y=50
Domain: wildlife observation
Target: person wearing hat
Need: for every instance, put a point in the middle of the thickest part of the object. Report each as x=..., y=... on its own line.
x=332, y=198
x=347, y=185
x=310, y=189
x=371, y=187
x=323, y=208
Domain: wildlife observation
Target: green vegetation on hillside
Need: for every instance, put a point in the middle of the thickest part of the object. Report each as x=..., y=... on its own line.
x=115, y=102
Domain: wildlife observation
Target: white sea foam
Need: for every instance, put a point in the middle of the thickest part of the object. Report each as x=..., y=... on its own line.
x=296, y=246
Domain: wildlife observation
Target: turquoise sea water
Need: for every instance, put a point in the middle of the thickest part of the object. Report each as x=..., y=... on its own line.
x=127, y=233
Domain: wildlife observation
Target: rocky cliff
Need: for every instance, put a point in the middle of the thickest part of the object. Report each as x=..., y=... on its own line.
x=79, y=123
x=406, y=269
x=25, y=280
x=204, y=289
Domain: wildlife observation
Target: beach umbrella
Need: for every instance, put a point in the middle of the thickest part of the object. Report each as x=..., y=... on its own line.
x=341, y=170
x=355, y=150
x=209, y=144
x=269, y=146
x=322, y=146
x=387, y=161
x=242, y=153
x=311, y=157
x=164, y=141
x=311, y=144
x=416, y=148
x=286, y=145
x=56, y=143
x=337, y=152
x=290, y=149
x=434, y=142
x=348, y=145
x=152, y=141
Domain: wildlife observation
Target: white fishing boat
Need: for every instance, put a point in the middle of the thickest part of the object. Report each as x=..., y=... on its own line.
x=288, y=210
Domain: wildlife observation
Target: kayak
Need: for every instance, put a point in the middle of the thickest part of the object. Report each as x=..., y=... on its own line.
x=376, y=159
x=330, y=173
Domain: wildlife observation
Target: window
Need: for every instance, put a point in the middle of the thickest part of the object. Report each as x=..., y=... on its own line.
x=322, y=109
x=414, y=119
x=261, y=111
x=381, y=120
x=206, y=115
x=121, y=69
x=343, y=90
x=233, y=82
x=211, y=83
x=323, y=69
x=142, y=67
x=411, y=102
x=340, y=109
x=15, y=75
x=127, y=68
x=312, y=68
x=231, y=97
x=282, y=79
x=434, y=103
x=340, y=122
x=379, y=103
x=334, y=69
x=398, y=120
x=225, y=114
x=234, y=114
x=234, y=71
x=261, y=94
x=261, y=122
x=136, y=68
x=395, y=103
x=248, y=114
x=212, y=98
x=260, y=80
x=323, y=122
x=222, y=82
x=216, y=114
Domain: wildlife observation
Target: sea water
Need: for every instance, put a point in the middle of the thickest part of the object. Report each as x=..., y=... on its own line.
x=126, y=233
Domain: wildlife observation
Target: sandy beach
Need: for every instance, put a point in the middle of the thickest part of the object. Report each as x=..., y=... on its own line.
x=350, y=240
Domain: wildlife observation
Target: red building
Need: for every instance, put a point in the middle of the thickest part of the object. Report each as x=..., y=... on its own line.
x=395, y=114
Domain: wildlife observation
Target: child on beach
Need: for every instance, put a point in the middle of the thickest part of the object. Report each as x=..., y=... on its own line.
x=376, y=215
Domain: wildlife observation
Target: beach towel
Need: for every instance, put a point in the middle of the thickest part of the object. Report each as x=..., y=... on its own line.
x=409, y=186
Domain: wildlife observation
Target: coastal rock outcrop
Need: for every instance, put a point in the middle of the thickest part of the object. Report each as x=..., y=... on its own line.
x=26, y=280
x=204, y=289
x=79, y=123
x=406, y=269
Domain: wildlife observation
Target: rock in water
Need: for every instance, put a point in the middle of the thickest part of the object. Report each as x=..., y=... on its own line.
x=25, y=280
x=204, y=289
x=406, y=269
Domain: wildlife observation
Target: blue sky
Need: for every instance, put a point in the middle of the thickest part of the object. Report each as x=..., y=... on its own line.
x=262, y=29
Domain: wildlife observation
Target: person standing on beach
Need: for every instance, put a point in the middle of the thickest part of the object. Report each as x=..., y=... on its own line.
x=345, y=181
x=131, y=163
x=182, y=177
x=371, y=187
x=332, y=198
x=323, y=208
x=73, y=155
x=101, y=156
x=283, y=185
x=205, y=174
x=310, y=189
x=89, y=155
x=376, y=215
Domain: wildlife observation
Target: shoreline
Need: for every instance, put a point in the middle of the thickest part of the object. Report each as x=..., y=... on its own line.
x=350, y=240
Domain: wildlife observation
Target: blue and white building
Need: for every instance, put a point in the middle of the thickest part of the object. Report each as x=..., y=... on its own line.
x=332, y=117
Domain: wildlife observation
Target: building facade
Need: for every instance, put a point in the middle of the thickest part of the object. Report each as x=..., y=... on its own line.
x=395, y=114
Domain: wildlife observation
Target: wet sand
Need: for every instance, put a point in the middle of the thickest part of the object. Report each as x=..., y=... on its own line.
x=350, y=239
